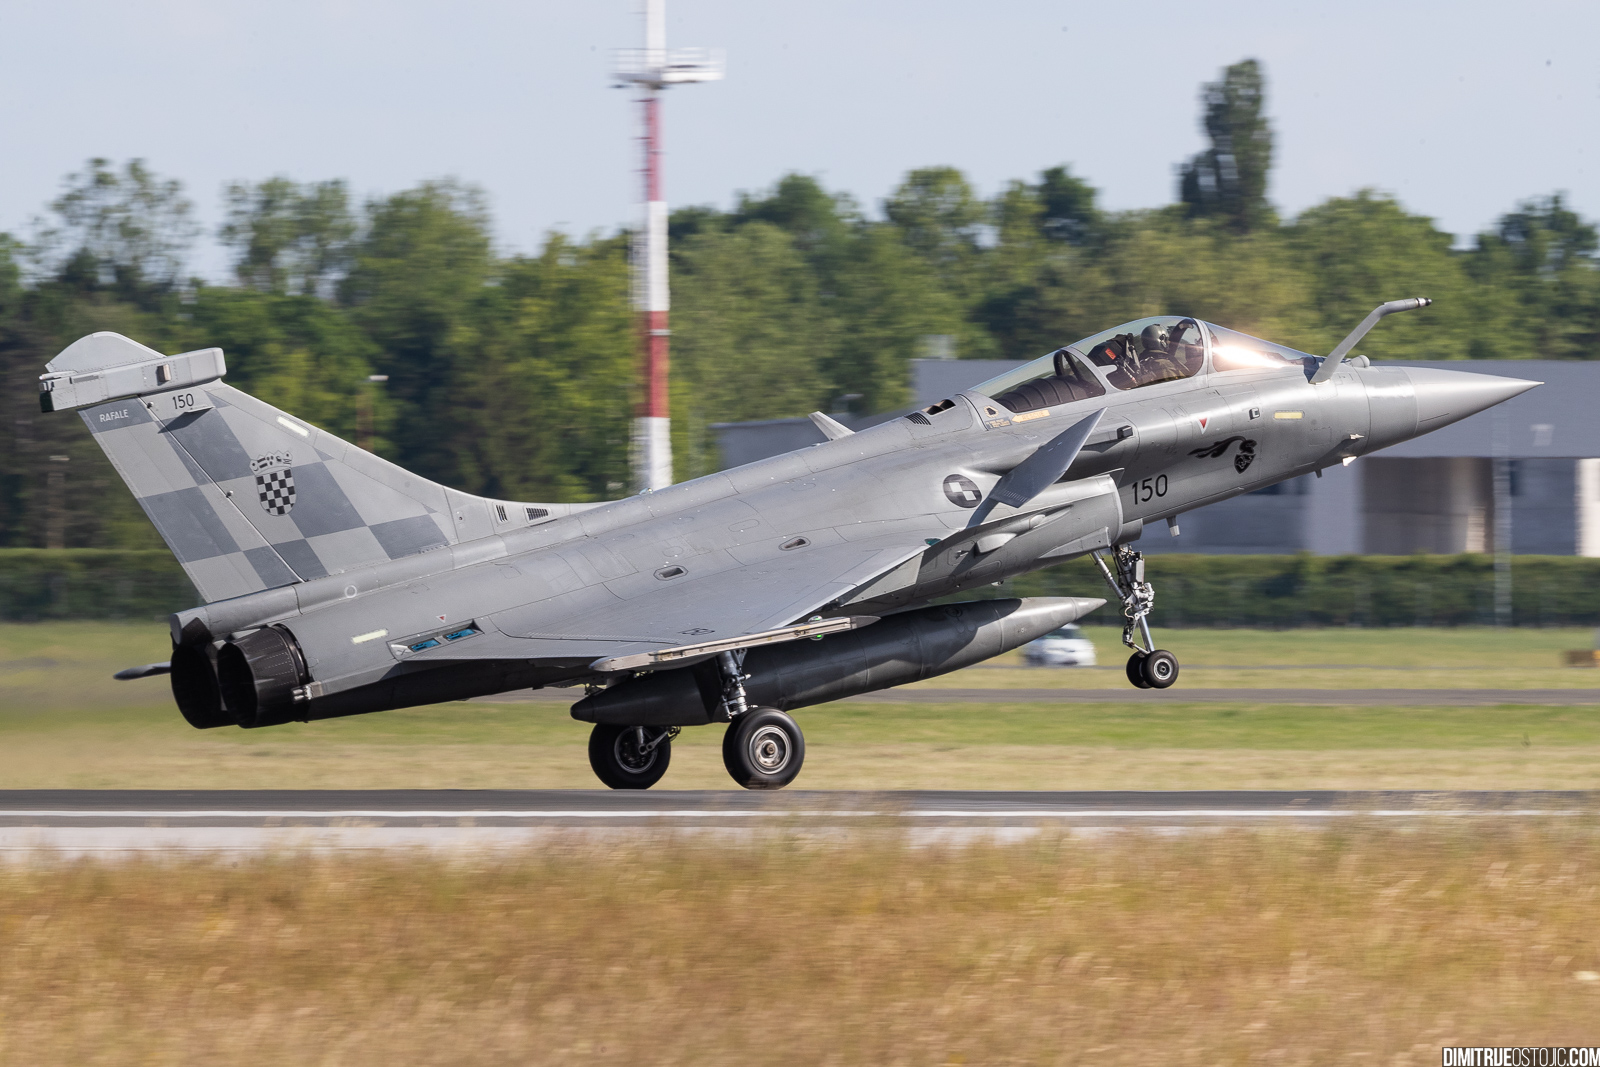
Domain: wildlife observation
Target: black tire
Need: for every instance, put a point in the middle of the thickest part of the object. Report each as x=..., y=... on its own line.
x=763, y=749
x=613, y=753
x=729, y=738
x=1135, y=670
x=1160, y=669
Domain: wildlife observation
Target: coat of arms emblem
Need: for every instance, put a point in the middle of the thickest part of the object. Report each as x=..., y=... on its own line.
x=274, y=482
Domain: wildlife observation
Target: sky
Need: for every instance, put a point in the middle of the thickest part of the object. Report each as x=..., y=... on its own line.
x=1460, y=109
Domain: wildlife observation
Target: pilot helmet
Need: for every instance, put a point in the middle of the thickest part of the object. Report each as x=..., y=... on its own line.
x=1154, y=338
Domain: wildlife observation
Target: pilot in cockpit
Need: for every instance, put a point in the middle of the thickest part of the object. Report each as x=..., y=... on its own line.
x=1150, y=356
x=1157, y=361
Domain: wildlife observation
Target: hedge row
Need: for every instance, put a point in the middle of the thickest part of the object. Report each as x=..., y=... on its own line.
x=1258, y=591
x=1279, y=592
x=91, y=583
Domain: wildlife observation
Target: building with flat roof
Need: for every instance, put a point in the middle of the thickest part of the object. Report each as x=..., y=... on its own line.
x=1436, y=493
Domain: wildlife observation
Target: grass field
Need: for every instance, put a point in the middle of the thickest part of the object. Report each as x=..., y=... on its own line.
x=66, y=723
x=1351, y=946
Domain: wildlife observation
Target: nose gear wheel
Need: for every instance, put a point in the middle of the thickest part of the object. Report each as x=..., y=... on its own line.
x=1135, y=670
x=1149, y=667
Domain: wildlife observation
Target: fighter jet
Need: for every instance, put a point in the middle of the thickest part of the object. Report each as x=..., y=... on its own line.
x=337, y=583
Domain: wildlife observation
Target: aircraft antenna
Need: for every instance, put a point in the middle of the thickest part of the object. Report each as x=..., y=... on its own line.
x=652, y=69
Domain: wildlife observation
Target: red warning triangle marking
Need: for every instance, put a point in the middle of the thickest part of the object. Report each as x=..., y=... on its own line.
x=440, y=618
x=1203, y=420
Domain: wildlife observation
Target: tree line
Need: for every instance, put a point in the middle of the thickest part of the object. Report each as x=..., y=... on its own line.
x=513, y=375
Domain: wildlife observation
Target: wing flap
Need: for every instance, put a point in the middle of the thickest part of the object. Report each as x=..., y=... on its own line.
x=742, y=601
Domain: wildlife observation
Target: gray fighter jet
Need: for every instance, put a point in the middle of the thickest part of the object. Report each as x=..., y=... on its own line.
x=337, y=583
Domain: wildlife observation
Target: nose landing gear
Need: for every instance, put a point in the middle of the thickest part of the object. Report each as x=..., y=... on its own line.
x=1148, y=667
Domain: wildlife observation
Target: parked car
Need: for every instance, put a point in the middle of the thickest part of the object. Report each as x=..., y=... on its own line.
x=1066, y=647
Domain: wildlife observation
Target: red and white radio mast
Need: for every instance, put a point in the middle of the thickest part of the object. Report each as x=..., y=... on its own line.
x=652, y=69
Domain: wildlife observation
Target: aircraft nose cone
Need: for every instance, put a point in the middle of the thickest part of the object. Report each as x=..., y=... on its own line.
x=1446, y=396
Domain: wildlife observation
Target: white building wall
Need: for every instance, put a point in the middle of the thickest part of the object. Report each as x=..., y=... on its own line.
x=1587, y=504
x=1332, y=523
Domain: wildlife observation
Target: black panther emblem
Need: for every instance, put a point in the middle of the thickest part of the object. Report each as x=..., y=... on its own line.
x=1241, y=461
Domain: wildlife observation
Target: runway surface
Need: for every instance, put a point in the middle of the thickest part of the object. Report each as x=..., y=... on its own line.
x=121, y=822
x=1458, y=698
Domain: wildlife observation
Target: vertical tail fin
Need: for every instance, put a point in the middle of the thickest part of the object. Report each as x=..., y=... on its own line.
x=246, y=496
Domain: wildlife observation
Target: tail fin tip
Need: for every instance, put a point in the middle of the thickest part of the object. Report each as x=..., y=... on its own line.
x=107, y=366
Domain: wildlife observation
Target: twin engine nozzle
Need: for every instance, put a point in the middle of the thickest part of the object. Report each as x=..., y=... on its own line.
x=256, y=680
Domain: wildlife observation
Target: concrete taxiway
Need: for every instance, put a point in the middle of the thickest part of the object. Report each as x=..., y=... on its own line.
x=67, y=823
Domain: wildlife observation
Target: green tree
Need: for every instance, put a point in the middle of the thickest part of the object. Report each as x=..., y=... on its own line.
x=1363, y=250
x=1036, y=271
x=685, y=222
x=289, y=238
x=419, y=275
x=10, y=278
x=888, y=298
x=299, y=353
x=1229, y=180
x=542, y=402
x=940, y=217
x=1539, y=284
x=823, y=225
x=750, y=337
x=1161, y=263
x=1068, y=210
x=126, y=232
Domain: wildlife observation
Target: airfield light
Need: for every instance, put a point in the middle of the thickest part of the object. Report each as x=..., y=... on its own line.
x=652, y=69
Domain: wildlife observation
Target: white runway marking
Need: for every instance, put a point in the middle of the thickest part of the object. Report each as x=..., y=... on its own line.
x=46, y=825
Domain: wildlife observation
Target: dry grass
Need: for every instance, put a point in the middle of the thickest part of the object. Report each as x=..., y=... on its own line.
x=1283, y=948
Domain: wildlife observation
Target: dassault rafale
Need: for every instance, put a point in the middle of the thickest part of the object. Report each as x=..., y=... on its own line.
x=337, y=583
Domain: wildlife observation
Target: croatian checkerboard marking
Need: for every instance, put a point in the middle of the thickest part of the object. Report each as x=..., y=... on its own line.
x=276, y=490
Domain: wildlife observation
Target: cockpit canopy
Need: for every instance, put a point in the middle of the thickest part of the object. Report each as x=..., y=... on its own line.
x=1144, y=352
x=1231, y=350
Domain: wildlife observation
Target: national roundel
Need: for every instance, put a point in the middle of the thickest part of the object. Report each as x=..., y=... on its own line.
x=274, y=482
x=962, y=491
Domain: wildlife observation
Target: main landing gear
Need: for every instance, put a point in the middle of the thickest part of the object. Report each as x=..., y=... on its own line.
x=630, y=757
x=1148, y=667
x=762, y=749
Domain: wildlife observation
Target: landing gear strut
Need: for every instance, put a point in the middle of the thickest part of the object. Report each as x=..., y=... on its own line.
x=1149, y=667
x=731, y=666
x=763, y=748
